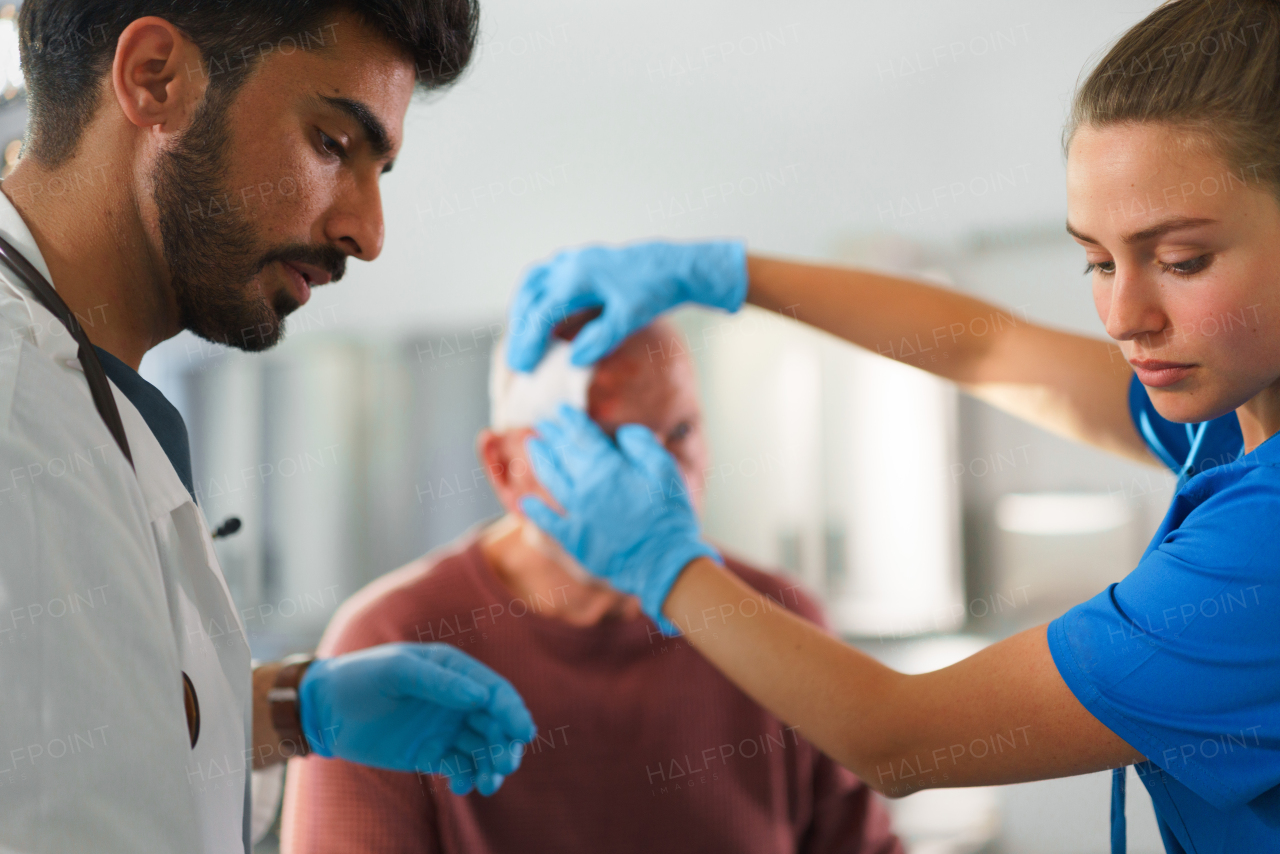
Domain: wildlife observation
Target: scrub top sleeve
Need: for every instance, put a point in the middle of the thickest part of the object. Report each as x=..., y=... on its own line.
x=1181, y=659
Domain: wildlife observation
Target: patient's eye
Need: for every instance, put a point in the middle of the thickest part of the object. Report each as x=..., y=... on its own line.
x=681, y=431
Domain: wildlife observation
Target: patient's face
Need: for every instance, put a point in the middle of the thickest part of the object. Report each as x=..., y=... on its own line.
x=649, y=380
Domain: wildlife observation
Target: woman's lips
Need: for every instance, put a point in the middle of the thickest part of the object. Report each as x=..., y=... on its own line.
x=1155, y=373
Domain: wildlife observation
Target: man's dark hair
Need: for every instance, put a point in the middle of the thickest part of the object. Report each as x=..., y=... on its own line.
x=68, y=47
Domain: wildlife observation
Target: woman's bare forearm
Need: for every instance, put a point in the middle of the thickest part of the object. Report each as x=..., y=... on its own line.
x=1001, y=716
x=1069, y=384
x=934, y=328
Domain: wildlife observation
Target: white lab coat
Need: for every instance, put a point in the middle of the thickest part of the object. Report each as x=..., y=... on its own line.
x=109, y=591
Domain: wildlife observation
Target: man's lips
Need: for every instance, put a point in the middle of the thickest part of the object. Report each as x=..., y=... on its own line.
x=313, y=274
x=302, y=277
x=1157, y=373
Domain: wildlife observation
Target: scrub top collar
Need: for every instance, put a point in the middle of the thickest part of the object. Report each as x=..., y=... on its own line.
x=1267, y=453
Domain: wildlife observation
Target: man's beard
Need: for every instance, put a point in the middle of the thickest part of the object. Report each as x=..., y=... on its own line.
x=212, y=249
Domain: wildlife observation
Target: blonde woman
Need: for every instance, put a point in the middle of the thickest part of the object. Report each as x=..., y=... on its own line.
x=1173, y=175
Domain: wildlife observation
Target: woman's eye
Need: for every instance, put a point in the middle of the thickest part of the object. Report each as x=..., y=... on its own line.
x=331, y=145
x=1104, y=267
x=680, y=433
x=1187, y=268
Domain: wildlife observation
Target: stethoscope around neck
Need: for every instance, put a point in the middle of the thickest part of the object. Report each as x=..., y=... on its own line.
x=1184, y=472
x=99, y=387
x=1195, y=436
x=103, y=399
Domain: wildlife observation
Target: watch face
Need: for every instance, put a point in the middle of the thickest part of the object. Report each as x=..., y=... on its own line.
x=192, y=704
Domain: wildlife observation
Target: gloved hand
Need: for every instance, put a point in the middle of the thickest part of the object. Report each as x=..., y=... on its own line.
x=634, y=284
x=416, y=707
x=629, y=520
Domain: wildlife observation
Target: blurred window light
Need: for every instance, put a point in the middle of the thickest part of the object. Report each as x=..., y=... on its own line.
x=13, y=83
x=903, y=513
x=1060, y=513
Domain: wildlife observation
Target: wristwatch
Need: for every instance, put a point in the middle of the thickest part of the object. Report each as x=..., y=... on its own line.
x=283, y=700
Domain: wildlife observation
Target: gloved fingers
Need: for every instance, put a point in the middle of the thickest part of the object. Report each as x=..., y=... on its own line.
x=532, y=289
x=432, y=754
x=548, y=521
x=579, y=442
x=528, y=325
x=643, y=448
x=550, y=293
x=508, y=712
x=458, y=770
x=492, y=785
x=450, y=763
x=602, y=336
x=579, y=428
x=505, y=749
x=477, y=748
x=545, y=459
x=415, y=676
x=505, y=707
x=462, y=784
x=571, y=440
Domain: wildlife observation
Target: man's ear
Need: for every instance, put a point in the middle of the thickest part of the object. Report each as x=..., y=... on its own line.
x=493, y=451
x=158, y=75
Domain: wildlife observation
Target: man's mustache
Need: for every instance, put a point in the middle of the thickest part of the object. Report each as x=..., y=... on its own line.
x=328, y=258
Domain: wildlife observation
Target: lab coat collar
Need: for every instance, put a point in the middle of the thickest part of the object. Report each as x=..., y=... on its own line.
x=162, y=489
x=44, y=330
x=15, y=229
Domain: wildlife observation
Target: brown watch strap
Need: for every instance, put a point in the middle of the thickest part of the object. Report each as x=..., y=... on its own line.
x=283, y=700
x=192, y=704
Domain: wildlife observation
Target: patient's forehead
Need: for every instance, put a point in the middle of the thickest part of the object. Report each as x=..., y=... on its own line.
x=648, y=380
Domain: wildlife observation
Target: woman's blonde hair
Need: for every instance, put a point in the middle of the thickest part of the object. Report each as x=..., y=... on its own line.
x=1211, y=67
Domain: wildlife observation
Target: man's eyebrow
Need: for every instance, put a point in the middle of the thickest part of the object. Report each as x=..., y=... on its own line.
x=374, y=130
x=1158, y=230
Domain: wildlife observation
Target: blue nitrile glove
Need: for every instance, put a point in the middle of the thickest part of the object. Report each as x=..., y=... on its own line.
x=629, y=518
x=634, y=284
x=426, y=707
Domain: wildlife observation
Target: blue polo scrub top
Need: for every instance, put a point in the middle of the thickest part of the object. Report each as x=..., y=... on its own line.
x=1181, y=659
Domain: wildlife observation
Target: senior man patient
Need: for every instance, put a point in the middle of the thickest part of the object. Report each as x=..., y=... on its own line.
x=642, y=745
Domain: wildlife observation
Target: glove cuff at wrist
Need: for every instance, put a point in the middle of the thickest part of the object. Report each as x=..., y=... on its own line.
x=307, y=708
x=722, y=266
x=659, y=581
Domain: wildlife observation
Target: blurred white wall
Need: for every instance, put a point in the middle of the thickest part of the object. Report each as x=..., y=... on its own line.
x=791, y=124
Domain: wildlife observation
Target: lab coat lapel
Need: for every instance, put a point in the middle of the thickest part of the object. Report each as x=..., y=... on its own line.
x=212, y=645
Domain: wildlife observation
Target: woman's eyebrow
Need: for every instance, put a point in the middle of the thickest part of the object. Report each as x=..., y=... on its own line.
x=1162, y=228
x=1083, y=238
x=1158, y=230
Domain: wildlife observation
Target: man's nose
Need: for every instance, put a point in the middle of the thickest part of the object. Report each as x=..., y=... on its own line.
x=356, y=225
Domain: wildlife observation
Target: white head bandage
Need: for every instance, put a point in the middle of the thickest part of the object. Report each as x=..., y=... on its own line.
x=519, y=400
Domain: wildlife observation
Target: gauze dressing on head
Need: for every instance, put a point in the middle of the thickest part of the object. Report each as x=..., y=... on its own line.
x=519, y=400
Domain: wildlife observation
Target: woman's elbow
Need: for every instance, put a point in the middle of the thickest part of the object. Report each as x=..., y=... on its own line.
x=894, y=776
